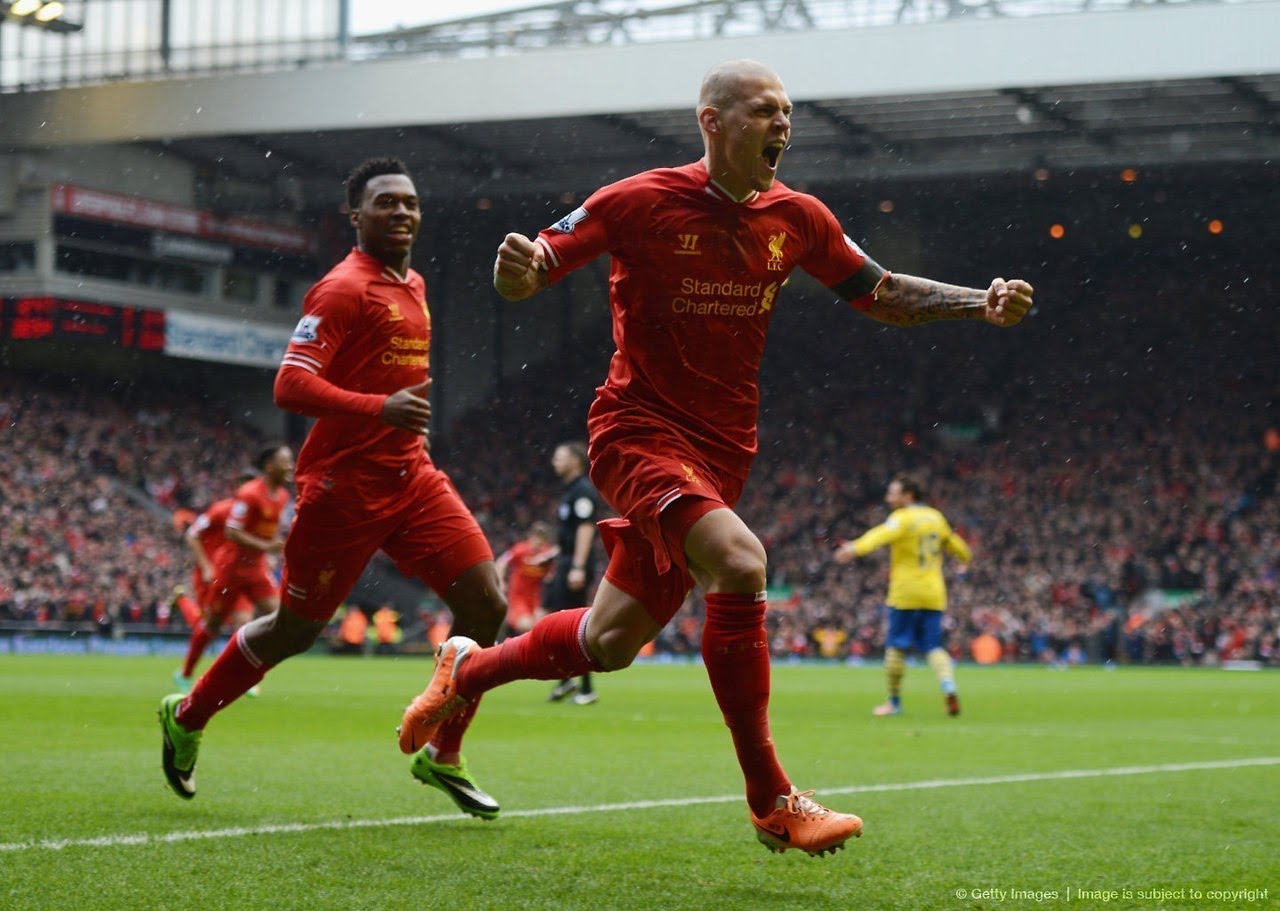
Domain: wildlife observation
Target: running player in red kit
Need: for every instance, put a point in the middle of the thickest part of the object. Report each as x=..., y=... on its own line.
x=699, y=254
x=206, y=538
x=523, y=567
x=203, y=537
x=358, y=363
x=251, y=531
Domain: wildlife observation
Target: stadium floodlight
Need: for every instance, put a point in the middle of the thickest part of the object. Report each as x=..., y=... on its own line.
x=45, y=14
x=50, y=11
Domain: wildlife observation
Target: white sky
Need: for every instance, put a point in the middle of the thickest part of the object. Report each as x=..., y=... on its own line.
x=369, y=16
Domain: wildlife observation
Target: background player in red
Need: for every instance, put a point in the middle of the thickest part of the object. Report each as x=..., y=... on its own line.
x=699, y=254
x=239, y=580
x=204, y=537
x=523, y=567
x=358, y=363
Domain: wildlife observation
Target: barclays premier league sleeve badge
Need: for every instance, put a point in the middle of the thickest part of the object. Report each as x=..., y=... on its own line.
x=306, y=331
x=566, y=224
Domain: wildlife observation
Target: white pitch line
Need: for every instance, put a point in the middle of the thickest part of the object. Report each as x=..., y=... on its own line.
x=113, y=841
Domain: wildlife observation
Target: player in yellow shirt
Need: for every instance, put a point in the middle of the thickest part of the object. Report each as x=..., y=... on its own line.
x=917, y=535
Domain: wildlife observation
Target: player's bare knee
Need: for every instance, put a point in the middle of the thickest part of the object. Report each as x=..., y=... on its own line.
x=616, y=661
x=730, y=562
x=302, y=640
x=494, y=610
x=478, y=616
x=274, y=638
x=476, y=599
x=613, y=649
x=281, y=647
x=741, y=570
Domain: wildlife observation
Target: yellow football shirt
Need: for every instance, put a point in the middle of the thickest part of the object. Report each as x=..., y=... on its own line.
x=916, y=535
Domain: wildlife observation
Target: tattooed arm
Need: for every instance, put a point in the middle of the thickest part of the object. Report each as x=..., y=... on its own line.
x=905, y=300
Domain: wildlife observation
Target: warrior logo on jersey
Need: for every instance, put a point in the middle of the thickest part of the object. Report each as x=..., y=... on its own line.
x=306, y=330
x=688, y=245
x=566, y=224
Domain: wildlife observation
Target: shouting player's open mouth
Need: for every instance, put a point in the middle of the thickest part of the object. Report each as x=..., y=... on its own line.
x=773, y=153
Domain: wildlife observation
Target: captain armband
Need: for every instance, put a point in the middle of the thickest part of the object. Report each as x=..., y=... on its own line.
x=865, y=282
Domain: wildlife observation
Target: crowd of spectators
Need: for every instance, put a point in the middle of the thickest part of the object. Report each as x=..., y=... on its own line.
x=1113, y=463
x=91, y=482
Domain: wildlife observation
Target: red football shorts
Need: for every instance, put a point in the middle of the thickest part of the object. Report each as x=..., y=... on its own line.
x=235, y=586
x=420, y=522
x=520, y=605
x=203, y=592
x=661, y=487
x=200, y=589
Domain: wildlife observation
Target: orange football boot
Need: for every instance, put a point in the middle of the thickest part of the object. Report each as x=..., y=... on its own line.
x=800, y=822
x=439, y=701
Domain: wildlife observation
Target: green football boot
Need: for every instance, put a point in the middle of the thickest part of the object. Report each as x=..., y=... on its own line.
x=456, y=781
x=178, y=757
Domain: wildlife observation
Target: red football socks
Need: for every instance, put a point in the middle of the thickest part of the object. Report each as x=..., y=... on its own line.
x=448, y=740
x=199, y=641
x=189, y=609
x=735, y=650
x=555, y=649
x=229, y=677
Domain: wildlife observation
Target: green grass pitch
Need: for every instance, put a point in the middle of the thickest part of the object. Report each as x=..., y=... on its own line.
x=1136, y=788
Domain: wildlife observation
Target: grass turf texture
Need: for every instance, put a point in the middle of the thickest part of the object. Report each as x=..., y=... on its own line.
x=89, y=825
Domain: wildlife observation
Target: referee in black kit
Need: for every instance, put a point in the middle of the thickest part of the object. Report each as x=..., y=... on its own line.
x=576, y=516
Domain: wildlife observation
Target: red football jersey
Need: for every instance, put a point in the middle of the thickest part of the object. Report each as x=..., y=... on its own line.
x=528, y=568
x=257, y=511
x=209, y=527
x=368, y=331
x=694, y=281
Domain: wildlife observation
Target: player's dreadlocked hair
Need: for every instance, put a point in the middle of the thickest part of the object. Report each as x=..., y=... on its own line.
x=365, y=172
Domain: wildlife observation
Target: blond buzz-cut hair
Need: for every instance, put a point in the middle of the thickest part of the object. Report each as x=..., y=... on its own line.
x=722, y=84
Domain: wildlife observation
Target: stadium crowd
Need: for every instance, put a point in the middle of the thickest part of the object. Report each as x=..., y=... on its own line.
x=1122, y=507
x=92, y=481
x=1121, y=500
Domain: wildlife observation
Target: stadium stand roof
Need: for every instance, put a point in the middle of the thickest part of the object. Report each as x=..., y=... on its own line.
x=564, y=95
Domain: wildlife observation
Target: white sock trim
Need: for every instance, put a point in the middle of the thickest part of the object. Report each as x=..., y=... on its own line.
x=245, y=650
x=582, y=638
